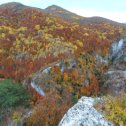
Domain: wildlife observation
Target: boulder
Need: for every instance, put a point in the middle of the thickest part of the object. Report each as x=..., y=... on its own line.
x=84, y=114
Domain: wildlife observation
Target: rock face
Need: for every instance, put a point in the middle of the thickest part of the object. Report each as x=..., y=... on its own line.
x=115, y=77
x=115, y=83
x=37, y=88
x=84, y=114
x=116, y=47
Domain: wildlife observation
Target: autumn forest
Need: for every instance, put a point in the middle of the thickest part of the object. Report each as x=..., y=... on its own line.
x=75, y=54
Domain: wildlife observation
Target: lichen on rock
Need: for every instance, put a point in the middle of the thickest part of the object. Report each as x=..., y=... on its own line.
x=84, y=114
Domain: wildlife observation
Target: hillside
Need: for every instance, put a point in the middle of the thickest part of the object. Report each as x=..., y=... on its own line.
x=33, y=35
x=54, y=51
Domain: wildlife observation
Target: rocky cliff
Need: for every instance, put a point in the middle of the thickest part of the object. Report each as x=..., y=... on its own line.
x=115, y=77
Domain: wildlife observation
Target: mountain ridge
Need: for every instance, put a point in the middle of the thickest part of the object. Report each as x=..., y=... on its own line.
x=13, y=5
x=62, y=13
x=57, y=11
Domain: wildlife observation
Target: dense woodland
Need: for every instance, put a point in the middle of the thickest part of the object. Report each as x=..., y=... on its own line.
x=31, y=39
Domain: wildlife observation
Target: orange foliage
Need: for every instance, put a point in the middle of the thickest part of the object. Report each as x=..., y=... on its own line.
x=65, y=76
x=75, y=74
x=92, y=88
x=31, y=39
x=49, y=111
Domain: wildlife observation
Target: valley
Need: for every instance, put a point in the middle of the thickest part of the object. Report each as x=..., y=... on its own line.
x=57, y=57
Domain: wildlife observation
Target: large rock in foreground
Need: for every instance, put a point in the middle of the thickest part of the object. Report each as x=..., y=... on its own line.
x=84, y=114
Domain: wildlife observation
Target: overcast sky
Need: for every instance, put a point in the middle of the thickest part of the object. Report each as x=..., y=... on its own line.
x=112, y=9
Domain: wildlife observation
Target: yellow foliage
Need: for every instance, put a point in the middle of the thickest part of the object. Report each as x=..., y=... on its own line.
x=16, y=116
x=37, y=27
x=3, y=35
x=86, y=34
x=79, y=43
x=22, y=29
x=65, y=76
x=115, y=109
